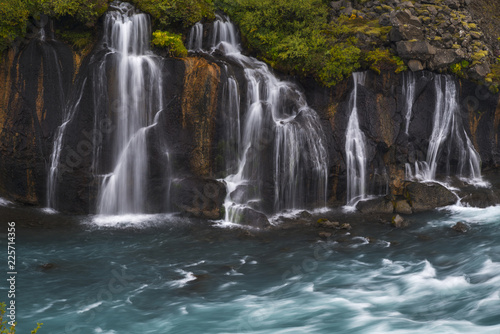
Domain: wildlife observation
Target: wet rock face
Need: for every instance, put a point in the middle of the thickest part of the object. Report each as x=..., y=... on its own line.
x=197, y=197
x=34, y=83
x=382, y=102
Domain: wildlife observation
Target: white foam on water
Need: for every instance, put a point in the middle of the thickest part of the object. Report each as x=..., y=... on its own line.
x=89, y=307
x=188, y=277
x=488, y=215
x=4, y=202
x=49, y=211
x=45, y=308
x=195, y=264
x=130, y=220
x=100, y=330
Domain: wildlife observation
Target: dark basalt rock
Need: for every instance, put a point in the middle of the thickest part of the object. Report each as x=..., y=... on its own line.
x=428, y=196
x=198, y=197
x=479, y=197
x=251, y=217
x=460, y=227
x=376, y=205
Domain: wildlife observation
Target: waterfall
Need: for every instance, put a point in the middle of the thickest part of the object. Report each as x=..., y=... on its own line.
x=355, y=148
x=232, y=124
x=138, y=98
x=409, y=92
x=126, y=84
x=278, y=122
x=449, y=143
x=196, y=37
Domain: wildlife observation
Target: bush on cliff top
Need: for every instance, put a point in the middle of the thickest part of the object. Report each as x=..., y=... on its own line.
x=78, y=16
x=171, y=42
x=176, y=14
x=14, y=15
x=295, y=37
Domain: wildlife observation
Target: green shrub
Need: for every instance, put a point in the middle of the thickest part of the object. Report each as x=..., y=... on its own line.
x=295, y=37
x=378, y=60
x=5, y=329
x=176, y=13
x=13, y=17
x=172, y=42
x=459, y=69
x=84, y=11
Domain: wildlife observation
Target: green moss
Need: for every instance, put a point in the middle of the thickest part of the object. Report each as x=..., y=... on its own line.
x=379, y=60
x=459, y=69
x=455, y=46
x=478, y=56
x=171, y=42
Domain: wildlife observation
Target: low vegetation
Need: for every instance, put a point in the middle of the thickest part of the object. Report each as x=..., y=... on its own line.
x=176, y=14
x=6, y=328
x=298, y=37
x=171, y=42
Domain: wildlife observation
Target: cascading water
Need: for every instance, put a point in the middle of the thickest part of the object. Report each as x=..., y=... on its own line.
x=355, y=148
x=232, y=123
x=139, y=96
x=409, y=82
x=277, y=120
x=449, y=141
x=196, y=37
x=127, y=89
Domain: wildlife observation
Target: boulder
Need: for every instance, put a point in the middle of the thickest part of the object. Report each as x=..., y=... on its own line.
x=376, y=205
x=324, y=235
x=479, y=71
x=328, y=224
x=460, y=227
x=479, y=198
x=198, y=197
x=250, y=217
x=443, y=58
x=419, y=50
x=405, y=26
x=428, y=196
x=403, y=207
x=415, y=65
x=399, y=222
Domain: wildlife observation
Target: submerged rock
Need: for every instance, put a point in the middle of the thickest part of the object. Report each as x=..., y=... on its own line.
x=399, y=222
x=460, y=227
x=428, y=196
x=324, y=235
x=327, y=224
